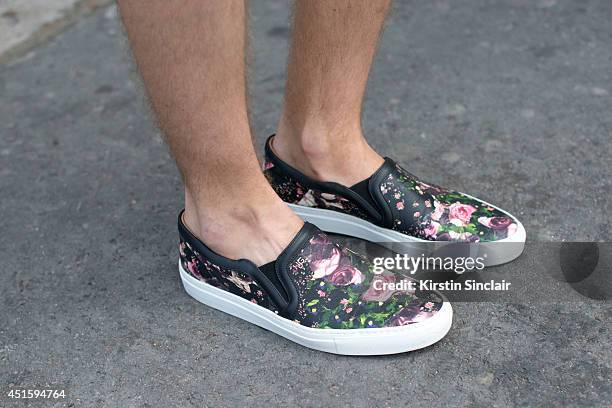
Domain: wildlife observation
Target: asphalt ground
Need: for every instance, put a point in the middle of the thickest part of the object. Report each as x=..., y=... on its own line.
x=506, y=100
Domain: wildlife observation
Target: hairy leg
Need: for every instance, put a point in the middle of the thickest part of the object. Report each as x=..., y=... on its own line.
x=332, y=49
x=191, y=55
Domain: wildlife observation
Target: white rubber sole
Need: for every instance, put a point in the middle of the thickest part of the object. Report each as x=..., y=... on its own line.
x=498, y=252
x=375, y=341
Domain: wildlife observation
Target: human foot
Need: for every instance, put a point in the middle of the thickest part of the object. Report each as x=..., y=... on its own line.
x=392, y=205
x=258, y=230
x=318, y=294
x=342, y=160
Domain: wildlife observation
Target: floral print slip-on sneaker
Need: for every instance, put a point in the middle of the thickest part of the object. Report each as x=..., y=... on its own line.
x=394, y=205
x=318, y=294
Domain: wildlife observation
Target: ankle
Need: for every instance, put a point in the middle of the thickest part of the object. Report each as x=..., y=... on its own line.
x=258, y=231
x=324, y=154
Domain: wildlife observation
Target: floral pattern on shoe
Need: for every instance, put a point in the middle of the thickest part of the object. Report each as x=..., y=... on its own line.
x=235, y=282
x=413, y=207
x=338, y=289
x=291, y=191
x=334, y=286
x=433, y=213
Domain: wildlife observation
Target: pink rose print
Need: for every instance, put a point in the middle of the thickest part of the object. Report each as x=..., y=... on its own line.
x=379, y=288
x=438, y=211
x=460, y=214
x=407, y=315
x=242, y=283
x=511, y=229
x=345, y=275
x=422, y=316
x=321, y=241
x=307, y=199
x=463, y=236
x=400, y=206
x=327, y=261
x=268, y=165
x=432, y=229
x=325, y=266
x=495, y=223
x=193, y=270
x=484, y=221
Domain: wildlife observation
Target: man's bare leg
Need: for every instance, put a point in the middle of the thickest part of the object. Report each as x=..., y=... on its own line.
x=191, y=54
x=332, y=49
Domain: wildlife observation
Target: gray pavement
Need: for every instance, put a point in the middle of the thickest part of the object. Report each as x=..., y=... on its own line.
x=24, y=24
x=507, y=100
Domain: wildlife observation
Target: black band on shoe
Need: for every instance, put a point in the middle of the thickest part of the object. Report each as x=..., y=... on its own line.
x=376, y=180
x=286, y=258
x=277, y=294
x=273, y=277
x=331, y=187
x=362, y=188
x=269, y=270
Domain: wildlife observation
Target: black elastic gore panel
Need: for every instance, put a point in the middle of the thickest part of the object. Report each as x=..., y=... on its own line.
x=269, y=270
x=362, y=189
